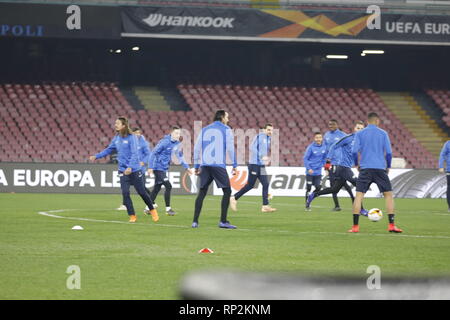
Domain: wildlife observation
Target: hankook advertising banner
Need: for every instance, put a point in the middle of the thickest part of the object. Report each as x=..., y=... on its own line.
x=290, y=25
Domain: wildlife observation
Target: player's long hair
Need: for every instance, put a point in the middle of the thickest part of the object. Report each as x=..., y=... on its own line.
x=126, y=130
x=220, y=114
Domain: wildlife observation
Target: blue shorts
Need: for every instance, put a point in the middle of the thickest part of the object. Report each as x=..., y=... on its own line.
x=209, y=174
x=368, y=176
x=160, y=176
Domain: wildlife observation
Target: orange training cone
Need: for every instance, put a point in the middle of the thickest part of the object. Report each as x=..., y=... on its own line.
x=206, y=250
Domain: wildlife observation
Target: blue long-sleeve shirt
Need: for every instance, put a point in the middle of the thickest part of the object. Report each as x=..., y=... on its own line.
x=344, y=147
x=259, y=148
x=127, y=152
x=162, y=154
x=374, y=146
x=212, y=145
x=445, y=156
x=330, y=138
x=314, y=158
x=144, y=151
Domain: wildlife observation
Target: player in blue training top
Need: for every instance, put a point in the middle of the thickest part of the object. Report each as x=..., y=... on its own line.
x=342, y=171
x=210, y=150
x=144, y=151
x=125, y=143
x=331, y=137
x=373, y=146
x=313, y=160
x=159, y=162
x=445, y=157
x=259, y=151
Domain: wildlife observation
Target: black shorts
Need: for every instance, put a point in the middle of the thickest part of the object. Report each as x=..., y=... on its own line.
x=218, y=174
x=344, y=173
x=160, y=176
x=378, y=176
x=315, y=181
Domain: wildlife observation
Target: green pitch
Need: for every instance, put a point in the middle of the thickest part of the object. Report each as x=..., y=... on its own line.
x=118, y=260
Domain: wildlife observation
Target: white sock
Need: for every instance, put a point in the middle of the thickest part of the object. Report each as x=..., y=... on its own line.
x=168, y=208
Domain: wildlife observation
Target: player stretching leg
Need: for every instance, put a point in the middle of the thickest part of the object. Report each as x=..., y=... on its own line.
x=257, y=170
x=342, y=171
x=159, y=163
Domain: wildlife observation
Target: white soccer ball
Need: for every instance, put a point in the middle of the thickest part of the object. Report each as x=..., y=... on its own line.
x=375, y=214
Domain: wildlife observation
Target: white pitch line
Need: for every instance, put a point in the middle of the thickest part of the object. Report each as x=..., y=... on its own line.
x=48, y=214
x=43, y=213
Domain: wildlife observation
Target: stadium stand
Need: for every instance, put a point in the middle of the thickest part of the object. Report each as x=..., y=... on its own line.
x=442, y=100
x=58, y=122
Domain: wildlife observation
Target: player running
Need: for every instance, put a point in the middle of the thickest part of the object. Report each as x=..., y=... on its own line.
x=314, y=159
x=213, y=143
x=445, y=157
x=126, y=145
x=342, y=171
x=257, y=170
x=144, y=153
x=374, y=147
x=159, y=163
x=331, y=137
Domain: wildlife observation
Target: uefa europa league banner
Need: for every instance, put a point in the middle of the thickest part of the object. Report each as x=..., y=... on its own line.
x=283, y=181
x=79, y=178
x=359, y=25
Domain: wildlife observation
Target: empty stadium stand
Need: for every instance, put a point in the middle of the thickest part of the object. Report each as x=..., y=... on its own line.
x=67, y=122
x=442, y=100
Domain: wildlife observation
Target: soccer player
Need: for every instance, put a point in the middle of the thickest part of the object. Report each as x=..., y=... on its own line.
x=342, y=171
x=159, y=163
x=126, y=145
x=332, y=136
x=144, y=153
x=213, y=143
x=314, y=159
x=257, y=169
x=374, y=147
x=445, y=157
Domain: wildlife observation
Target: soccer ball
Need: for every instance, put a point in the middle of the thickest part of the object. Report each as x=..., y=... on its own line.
x=375, y=215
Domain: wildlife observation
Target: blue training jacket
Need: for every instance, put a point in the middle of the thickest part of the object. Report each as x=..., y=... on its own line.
x=162, y=154
x=344, y=147
x=445, y=156
x=212, y=146
x=314, y=158
x=374, y=146
x=144, y=151
x=330, y=138
x=259, y=148
x=127, y=152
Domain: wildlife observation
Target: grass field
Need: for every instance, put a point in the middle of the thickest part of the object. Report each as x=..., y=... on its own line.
x=145, y=260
